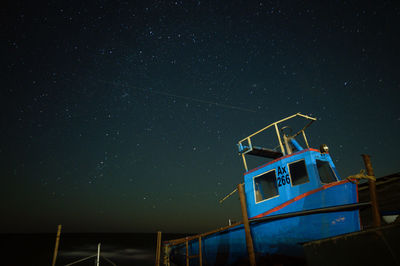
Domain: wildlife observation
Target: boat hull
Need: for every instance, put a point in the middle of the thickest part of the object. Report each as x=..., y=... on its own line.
x=278, y=240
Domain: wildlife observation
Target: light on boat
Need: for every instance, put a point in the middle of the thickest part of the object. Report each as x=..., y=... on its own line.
x=324, y=148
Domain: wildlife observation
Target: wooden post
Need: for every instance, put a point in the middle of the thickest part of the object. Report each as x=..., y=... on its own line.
x=187, y=251
x=166, y=254
x=200, y=253
x=158, y=251
x=249, y=240
x=56, y=247
x=372, y=191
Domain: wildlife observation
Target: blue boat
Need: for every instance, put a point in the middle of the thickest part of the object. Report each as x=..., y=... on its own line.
x=295, y=196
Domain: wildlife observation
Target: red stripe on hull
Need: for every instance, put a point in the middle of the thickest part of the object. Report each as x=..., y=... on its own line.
x=283, y=205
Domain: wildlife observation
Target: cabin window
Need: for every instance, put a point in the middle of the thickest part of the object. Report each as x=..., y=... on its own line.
x=325, y=172
x=298, y=173
x=265, y=186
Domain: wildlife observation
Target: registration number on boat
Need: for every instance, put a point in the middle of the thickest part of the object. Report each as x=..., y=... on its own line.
x=283, y=177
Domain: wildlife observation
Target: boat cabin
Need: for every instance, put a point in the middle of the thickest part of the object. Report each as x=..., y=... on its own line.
x=293, y=173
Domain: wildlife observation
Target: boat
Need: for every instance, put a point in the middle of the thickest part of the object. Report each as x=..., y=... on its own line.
x=295, y=196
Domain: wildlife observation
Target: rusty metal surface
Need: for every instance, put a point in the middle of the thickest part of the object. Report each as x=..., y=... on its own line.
x=375, y=246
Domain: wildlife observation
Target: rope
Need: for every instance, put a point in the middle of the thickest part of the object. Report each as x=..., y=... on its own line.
x=81, y=260
x=355, y=179
x=227, y=196
x=109, y=261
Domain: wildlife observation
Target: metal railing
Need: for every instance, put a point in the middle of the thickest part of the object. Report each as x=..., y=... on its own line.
x=249, y=146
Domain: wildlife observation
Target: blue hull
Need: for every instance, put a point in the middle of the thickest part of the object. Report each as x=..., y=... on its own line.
x=279, y=239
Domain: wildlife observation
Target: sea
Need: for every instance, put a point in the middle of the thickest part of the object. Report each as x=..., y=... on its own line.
x=120, y=249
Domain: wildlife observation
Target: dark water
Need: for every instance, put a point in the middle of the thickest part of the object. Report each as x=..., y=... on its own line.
x=121, y=249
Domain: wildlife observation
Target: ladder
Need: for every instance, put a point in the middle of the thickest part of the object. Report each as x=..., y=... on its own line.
x=188, y=257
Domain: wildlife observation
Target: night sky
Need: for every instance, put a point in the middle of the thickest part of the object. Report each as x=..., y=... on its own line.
x=124, y=116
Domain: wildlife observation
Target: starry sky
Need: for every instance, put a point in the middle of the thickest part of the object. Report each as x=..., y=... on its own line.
x=123, y=116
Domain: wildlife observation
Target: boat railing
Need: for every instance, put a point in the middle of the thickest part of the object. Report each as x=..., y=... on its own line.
x=246, y=146
x=338, y=208
x=246, y=222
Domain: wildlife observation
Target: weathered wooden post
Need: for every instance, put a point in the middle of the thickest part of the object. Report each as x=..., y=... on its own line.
x=56, y=247
x=187, y=251
x=200, y=253
x=372, y=191
x=249, y=240
x=158, y=251
x=166, y=255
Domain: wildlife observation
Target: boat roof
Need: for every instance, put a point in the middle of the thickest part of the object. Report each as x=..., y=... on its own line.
x=246, y=146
